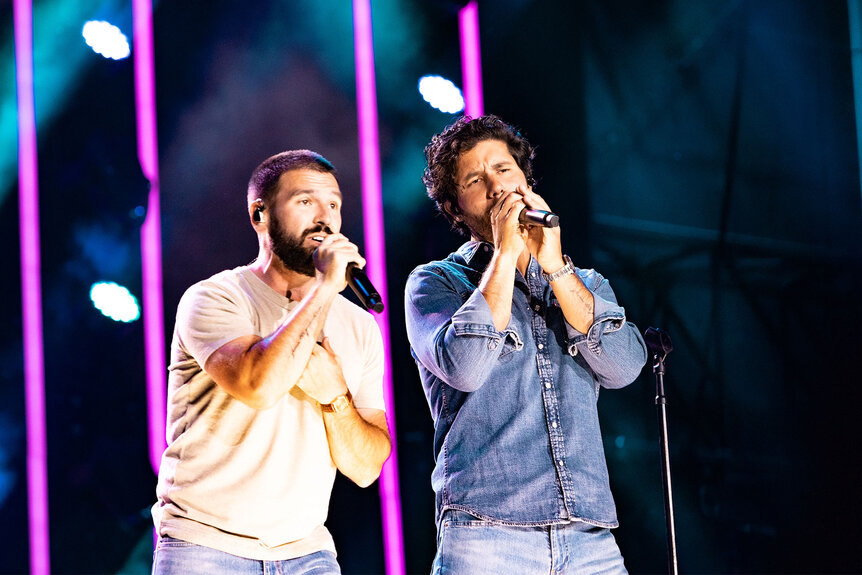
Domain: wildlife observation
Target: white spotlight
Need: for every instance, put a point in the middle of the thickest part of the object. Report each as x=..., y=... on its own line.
x=441, y=93
x=106, y=39
x=115, y=301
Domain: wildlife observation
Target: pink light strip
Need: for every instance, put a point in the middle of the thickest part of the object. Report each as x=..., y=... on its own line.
x=151, y=233
x=31, y=293
x=471, y=59
x=372, y=210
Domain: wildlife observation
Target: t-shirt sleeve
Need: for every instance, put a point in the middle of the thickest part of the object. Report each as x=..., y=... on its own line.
x=370, y=392
x=209, y=316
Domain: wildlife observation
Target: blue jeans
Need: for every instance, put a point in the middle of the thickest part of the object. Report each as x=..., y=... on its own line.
x=469, y=546
x=175, y=557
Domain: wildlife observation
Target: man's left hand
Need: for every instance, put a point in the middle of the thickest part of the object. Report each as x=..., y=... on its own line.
x=543, y=243
x=323, y=379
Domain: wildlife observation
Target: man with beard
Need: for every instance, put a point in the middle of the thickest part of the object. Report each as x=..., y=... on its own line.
x=513, y=344
x=275, y=382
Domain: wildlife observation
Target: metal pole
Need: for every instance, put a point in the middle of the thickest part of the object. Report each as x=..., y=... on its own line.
x=661, y=408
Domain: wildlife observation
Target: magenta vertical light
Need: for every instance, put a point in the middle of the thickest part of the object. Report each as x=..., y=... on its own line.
x=372, y=211
x=151, y=234
x=31, y=293
x=471, y=59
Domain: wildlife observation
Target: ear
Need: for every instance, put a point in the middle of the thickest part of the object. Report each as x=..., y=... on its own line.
x=452, y=211
x=256, y=213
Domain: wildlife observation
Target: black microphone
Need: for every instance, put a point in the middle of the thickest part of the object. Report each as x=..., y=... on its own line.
x=361, y=286
x=538, y=218
x=658, y=341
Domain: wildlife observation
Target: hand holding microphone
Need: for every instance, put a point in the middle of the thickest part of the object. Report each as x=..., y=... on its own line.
x=354, y=276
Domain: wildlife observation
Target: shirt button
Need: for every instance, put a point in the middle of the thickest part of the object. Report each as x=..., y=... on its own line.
x=560, y=462
x=537, y=308
x=541, y=346
x=554, y=424
x=532, y=274
x=548, y=385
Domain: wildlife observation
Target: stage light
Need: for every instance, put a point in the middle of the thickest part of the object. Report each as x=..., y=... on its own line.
x=441, y=93
x=115, y=301
x=106, y=39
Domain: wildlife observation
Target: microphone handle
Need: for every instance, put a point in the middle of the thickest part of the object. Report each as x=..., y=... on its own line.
x=361, y=286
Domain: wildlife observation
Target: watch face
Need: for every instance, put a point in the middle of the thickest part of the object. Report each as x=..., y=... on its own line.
x=340, y=404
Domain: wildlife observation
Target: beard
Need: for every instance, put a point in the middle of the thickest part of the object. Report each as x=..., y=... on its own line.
x=480, y=227
x=289, y=248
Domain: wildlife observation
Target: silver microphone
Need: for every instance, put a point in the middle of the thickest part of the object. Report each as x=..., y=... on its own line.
x=538, y=218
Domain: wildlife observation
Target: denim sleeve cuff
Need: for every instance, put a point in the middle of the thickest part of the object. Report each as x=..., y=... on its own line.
x=475, y=318
x=608, y=317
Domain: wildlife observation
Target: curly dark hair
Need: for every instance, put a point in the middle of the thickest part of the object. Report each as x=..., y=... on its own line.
x=446, y=147
x=264, y=178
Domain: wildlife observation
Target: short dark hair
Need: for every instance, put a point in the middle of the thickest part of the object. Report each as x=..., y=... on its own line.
x=446, y=147
x=264, y=178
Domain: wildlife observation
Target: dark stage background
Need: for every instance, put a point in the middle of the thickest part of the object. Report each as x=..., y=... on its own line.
x=701, y=155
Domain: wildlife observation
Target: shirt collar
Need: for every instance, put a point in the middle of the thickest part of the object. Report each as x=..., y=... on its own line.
x=476, y=254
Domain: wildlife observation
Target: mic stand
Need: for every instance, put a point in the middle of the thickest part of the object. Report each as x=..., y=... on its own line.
x=660, y=345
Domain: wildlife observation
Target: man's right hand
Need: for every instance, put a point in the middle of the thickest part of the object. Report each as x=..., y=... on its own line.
x=332, y=257
x=508, y=234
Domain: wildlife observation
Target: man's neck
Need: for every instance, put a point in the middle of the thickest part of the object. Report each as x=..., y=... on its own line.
x=285, y=281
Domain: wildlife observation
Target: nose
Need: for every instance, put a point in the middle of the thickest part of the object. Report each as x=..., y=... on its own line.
x=324, y=215
x=495, y=186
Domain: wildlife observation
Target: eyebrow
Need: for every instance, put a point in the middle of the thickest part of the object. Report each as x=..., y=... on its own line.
x=313, y=192
x=495, y=166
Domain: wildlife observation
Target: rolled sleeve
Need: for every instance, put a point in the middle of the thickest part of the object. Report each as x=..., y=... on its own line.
x=613, y=347
x=608, y=318
x=453, y=337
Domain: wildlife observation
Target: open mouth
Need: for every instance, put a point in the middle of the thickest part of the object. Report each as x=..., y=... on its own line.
x=316, y=237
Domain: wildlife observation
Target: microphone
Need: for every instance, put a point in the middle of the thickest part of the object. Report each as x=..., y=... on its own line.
x=361, y=286
x=538, y=218
x=658, y=341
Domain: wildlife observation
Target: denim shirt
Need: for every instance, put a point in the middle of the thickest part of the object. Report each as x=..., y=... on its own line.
x=516, y=428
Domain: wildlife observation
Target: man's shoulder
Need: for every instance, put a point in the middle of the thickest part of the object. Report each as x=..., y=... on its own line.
x=225, y=286
x=225, y=279
x=456, y=263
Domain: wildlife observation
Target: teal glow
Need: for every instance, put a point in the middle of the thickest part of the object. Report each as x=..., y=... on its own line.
x=57, y=64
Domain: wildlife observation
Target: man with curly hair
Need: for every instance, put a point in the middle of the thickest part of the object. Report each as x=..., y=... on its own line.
x=513, y=343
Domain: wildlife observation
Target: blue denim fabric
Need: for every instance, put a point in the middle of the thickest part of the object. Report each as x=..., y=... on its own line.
x=469, y=546
x=176, y=557
x=516, y=428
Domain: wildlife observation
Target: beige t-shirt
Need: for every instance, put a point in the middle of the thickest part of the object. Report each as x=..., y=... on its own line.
x=254, y=483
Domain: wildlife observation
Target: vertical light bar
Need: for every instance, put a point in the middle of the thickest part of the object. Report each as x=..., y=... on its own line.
x=372, y=211
x=151, y=233
x=854, y=13
x=31, y=292
x=471, y=59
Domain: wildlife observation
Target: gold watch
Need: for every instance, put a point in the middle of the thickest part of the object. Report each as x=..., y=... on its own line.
x=339, y=404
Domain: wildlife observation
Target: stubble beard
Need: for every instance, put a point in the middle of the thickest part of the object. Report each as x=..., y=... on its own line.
x=480, y=228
